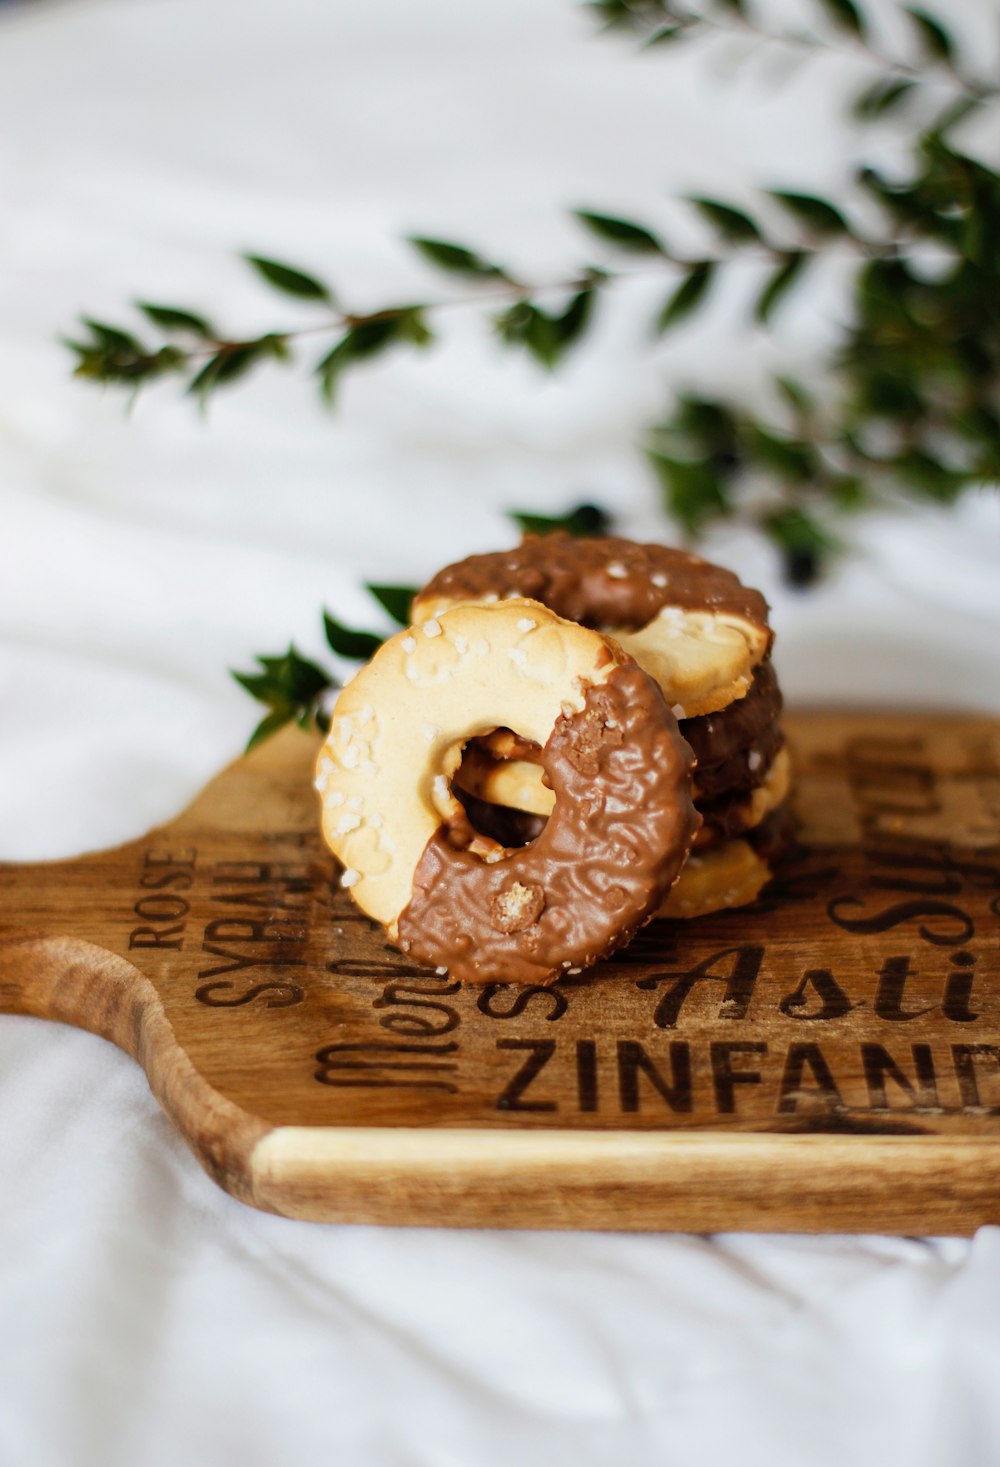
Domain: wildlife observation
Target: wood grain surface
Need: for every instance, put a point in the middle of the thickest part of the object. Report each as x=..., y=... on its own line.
x=825, y=1060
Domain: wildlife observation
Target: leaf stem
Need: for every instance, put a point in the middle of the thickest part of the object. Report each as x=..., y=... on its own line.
x=763, y=250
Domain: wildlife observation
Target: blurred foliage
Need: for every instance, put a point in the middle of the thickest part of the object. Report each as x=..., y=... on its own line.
x=907, y=403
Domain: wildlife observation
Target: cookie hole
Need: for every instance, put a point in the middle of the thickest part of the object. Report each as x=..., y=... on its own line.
x=510, y=828
x=513, y=829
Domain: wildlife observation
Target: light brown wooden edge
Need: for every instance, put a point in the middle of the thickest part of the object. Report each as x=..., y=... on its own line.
x=634, y=1181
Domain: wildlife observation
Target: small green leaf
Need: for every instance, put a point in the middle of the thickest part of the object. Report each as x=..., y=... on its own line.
x=779, y=284
x=612, y=13
x=573, y=323
x=263, y=686
x=112, y=338
x=288, y=279
x=845, y=14
x=358, y=646
x=936, y=41
x=274, y=345
x=694, y=492
x=413, y=326
x=330, y=366
x=789, y=458
x=804, y=544
x=371, y=337
x=818, y=215
x=929, y=477
x=172, y=318
x=547, y=336
x=396, y=600
x=524, y=324
x=368, y=339
x=541, y=338
x=886, y=393
x=687, y=296
x=456, y=258
x=270, y=724
x=289, y=686
x=664, y=34
x=233, y=362
x=224, y=367
x=711, y=424
x=798, y=399
x=97, y=363
x=849, y=493
x=621, y=232
x=288, y=679
x=583, y=522
x=732, y=223
x=882, y=97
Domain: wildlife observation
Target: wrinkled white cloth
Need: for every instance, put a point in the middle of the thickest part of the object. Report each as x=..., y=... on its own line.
x=146, y=1319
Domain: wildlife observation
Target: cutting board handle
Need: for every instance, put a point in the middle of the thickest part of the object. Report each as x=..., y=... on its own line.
x=75, y=982
x=78, y=983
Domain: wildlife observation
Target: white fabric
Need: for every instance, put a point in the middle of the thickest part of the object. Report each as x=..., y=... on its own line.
x=146, y=1319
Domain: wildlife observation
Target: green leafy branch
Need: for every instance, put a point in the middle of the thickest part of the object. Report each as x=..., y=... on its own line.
x=661, y=22
x=910, y=399
x=113, y=355
x=210, y=359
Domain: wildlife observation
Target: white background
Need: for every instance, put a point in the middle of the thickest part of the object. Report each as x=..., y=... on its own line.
x=145, y=1318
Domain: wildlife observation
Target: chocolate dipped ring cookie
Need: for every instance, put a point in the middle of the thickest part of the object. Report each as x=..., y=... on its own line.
x=692, y=625
x=620, y=829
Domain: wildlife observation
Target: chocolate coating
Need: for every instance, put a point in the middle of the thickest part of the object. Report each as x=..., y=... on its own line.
x=736, y=776
x=603, y=583
x=724, y=817
x=621, y=829
x=715, y=737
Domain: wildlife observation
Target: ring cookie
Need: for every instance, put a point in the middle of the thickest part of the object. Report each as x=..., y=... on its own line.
x=730, y=875
x=735, y=872
x=692, y=625
x=619, y=832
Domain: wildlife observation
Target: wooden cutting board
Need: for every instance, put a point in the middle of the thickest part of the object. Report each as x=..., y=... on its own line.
x=826, y=1060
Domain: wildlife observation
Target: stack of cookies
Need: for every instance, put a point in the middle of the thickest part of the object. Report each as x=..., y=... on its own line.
x=574, y=736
